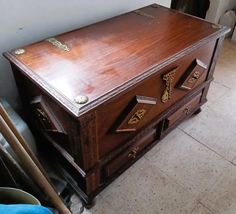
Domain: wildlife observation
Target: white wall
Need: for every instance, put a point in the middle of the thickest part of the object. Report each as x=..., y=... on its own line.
x=27, y=21
x=217, y=9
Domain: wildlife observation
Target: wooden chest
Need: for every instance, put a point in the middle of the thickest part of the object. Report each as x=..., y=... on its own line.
x=104, y=94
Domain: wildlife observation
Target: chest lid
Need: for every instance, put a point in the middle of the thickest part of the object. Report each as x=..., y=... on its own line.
x=85, y=67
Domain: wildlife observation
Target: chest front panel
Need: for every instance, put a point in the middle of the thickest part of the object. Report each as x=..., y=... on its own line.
x=121, y=118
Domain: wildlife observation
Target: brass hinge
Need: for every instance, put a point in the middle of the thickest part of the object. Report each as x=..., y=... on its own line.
x=58, y=44
x=141, y=13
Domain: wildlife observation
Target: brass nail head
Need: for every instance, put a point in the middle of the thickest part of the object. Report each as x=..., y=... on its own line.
x=19, y=51
x=81, y=99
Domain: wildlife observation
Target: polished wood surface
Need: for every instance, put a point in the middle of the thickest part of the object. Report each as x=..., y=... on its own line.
x=106, y=55
x=143, y=72
x=183, y=111
x=118, y=108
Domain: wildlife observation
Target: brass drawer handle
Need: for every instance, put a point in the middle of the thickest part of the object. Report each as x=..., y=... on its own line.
x=42, y=115
x=195, y=77
x=133, y=153
x=187, y=110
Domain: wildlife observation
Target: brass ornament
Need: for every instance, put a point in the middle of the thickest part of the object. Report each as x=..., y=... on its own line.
x=195, y=77
x=141, y=13
x=42, y=115
x=58, y=44
x=192, y=75
x=133, y=153
x=137, y=116
x=187, y=110
x=81, y=99
x=168, y=78
x=19, y=51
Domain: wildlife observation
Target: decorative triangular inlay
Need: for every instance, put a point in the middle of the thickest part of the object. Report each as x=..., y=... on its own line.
x=46, y=117
x=135, y=117
x=192, y=75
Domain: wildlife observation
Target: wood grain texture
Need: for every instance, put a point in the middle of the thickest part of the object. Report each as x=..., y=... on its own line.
x=154, y=87
x=183, y=111
x=121, y=65
x=105, y=56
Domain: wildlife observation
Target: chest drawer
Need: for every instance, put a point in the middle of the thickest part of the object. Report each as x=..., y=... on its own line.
x=102, y=95
x=183, y=112
x=122, y=117
x=130, y=155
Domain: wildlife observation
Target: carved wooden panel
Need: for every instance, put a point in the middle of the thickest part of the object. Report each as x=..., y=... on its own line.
x=45, y=116
x=136, y=116
x=191, y=76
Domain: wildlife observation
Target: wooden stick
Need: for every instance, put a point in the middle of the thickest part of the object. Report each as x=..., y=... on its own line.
x=20, y=138
x=31, y=168
x=14, y=166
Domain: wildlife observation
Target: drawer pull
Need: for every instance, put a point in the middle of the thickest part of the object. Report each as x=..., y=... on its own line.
x=42, y=115
x=187, y=110
x=195, y=77
x=138, y=115
x=133, y=153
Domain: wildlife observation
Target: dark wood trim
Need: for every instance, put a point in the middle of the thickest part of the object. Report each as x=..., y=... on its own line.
x=132, y=97
x=73, y=109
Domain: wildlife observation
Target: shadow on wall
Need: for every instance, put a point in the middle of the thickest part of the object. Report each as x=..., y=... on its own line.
x=197, y=8
x=27, y=21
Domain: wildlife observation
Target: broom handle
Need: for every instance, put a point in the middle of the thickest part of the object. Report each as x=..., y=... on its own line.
x=10, y=124
x=31, y=167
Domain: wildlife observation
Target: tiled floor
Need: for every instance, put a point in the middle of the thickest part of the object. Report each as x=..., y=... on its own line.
x=192, y=170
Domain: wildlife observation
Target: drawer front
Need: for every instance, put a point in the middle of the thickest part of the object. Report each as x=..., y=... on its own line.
x=183, y=111
x=120, y=118
x=130, y=154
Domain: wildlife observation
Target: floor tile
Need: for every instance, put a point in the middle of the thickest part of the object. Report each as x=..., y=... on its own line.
x=226, y=106
x=215, y=130
x=101, y=207
x=234, y=161
x=225, y=72
x=222, y=197
x=227, y=54
x=216, y=92
x=225, y=77
x=188, y=162
x=105, y=198
x=200, y=209
x=110, y=195
x=148, y=190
